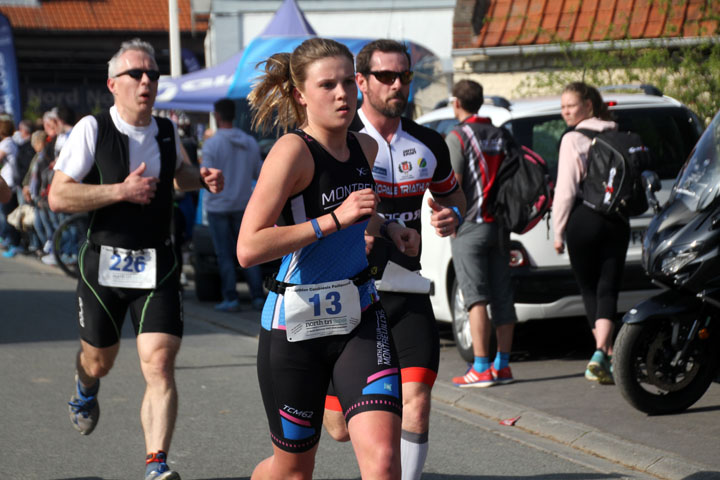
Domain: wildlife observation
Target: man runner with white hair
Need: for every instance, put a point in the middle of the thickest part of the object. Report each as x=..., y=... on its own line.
x=119, y=166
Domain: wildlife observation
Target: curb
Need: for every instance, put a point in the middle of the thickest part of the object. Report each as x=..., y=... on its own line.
x=652, y=461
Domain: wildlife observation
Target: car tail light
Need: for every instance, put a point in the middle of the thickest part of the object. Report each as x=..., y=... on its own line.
x=517, y=257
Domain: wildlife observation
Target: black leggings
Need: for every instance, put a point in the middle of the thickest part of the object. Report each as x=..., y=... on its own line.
x=597, y=246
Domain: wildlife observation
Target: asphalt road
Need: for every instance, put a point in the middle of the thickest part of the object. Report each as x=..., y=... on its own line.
x=568, y=428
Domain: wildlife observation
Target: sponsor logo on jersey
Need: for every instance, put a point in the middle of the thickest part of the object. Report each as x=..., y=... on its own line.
x=409, y=151
x=379, y=170
x=362, y=171
x=404, y=216
x=405, y=167
x=337, y=195
x=408, y=189
x=422, y=163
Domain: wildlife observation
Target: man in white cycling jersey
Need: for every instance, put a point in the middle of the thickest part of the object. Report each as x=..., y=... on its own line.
x=410, y=160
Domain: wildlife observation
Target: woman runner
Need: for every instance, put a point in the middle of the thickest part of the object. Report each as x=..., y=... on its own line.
x=322, y=319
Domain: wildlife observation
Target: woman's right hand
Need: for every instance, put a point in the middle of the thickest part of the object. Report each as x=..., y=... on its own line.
x=358, y=205
x=559, y=247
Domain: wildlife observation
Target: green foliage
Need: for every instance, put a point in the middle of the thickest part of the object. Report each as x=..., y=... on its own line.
x=32, y=112
x=691, y=73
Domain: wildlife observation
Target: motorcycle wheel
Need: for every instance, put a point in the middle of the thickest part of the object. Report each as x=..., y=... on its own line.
x=646, y=375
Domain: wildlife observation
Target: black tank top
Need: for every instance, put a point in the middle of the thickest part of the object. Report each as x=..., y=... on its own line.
x=125, y=224
x=333, y=181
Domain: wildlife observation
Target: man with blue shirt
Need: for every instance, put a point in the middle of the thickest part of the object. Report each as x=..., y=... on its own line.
x=237, y=155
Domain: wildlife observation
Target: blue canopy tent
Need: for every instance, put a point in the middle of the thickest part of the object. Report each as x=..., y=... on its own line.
x=197, y=91
x=288, y=20
x=263, y=47
x=234, y=77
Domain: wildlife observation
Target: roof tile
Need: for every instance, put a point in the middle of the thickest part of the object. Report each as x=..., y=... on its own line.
x=107, y=15
x=522, y=22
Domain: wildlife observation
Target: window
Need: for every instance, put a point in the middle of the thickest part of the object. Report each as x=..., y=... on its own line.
x=669, y=133
x=542, y=135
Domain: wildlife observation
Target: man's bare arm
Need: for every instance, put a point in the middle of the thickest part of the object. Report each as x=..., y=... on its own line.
x=67, y=195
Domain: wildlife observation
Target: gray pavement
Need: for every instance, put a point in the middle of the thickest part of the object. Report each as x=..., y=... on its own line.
x=559, y=412
x=552, y=399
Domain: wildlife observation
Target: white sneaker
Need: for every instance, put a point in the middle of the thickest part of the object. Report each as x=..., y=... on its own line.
x=47, y=248
x=49, y=259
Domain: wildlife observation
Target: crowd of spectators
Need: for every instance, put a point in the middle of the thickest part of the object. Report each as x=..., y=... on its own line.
x=28, y=154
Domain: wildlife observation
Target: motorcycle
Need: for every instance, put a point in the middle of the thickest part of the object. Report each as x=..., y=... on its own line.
x=667, y=352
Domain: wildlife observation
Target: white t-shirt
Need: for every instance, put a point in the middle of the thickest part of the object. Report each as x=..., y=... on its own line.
x=78, y=154
x=9, y=165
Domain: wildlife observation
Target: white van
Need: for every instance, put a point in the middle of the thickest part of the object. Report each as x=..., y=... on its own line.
x=543, y=280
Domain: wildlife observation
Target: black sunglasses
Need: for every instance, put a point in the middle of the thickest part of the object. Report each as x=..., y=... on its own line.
x=137, y=74
x=388, y=76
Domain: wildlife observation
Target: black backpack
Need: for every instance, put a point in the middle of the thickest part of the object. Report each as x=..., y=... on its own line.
x=23, y=158
x=613, y=183
x=523, y=191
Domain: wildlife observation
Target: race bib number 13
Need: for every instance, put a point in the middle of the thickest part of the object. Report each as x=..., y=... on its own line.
x=127, y=268
x=321, y=309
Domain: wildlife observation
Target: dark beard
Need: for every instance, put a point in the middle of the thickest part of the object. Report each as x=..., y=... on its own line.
x=390, y=111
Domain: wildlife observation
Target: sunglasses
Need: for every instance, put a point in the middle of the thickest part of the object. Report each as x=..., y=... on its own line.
x=388, y=76
x=137, y=74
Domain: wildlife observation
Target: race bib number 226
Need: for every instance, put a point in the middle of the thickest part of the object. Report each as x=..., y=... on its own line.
x=127, y=268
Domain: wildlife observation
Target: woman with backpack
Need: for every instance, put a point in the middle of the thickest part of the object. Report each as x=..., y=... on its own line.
x=597, y=243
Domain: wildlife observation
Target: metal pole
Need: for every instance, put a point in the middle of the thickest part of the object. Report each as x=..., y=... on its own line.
x=174, y=31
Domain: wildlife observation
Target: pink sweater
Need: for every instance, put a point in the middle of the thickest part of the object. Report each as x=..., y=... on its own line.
x=572, y=165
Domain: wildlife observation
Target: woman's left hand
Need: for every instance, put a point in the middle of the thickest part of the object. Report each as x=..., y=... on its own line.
x=358, y=205
x=560, y=247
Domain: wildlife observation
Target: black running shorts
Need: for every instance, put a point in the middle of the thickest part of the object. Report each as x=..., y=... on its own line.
x=294, y=378
x=102, y=310
x=415, y=336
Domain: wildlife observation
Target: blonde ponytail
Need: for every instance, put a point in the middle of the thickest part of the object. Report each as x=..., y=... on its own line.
x=271, y=98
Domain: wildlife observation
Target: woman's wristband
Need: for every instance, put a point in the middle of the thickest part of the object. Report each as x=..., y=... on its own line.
x=316, y=227
x=337, y=222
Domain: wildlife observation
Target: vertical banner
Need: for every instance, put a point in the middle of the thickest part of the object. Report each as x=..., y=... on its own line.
x=9, y=87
